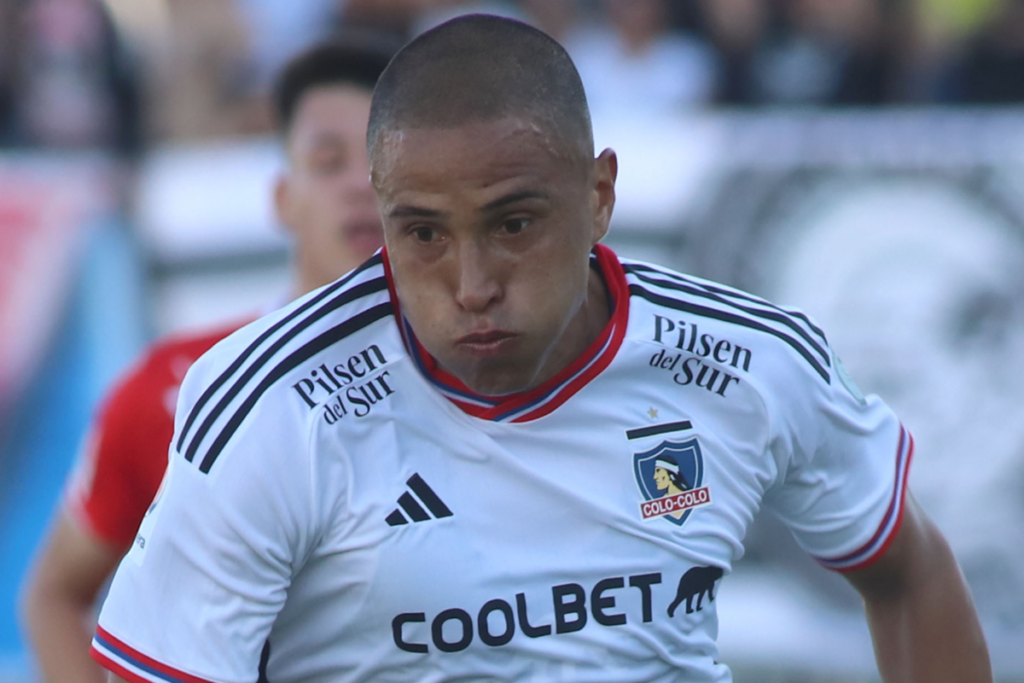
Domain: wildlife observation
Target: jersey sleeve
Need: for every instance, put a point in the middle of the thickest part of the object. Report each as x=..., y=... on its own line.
x=196, y=596
x=122, y=458
x=843, y=463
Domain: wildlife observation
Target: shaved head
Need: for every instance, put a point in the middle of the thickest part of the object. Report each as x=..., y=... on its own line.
x=482, y=160
x=483, y=68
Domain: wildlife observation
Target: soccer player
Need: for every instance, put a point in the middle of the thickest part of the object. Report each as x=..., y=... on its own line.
x=324, y=198
x=441, y=466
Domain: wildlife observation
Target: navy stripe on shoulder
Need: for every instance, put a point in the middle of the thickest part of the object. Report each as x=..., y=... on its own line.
x=360, y=291
x=293, y=360
x=636, y=268
x=773, y=315
x=696, y=309
x=375, y=260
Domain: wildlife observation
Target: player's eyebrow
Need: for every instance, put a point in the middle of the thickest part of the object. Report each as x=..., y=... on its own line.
x=514, y=197
x=409, y=211
x=324, y=138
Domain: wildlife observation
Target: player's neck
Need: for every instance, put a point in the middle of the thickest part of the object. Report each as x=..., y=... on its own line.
x=586, y=326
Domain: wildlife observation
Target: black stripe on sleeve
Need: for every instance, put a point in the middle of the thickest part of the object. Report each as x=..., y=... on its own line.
x=659, y=429
x=359, y=291
x=775, y=316
x=427, y=495
x=234, y=367
x=677, y=305
x=301, y=355
x=412, y=508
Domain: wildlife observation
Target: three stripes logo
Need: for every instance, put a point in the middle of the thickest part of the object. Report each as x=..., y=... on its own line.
x=420, y=507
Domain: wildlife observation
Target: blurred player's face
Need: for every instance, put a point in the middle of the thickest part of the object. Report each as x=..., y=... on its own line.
x=325, y=198
x=489, y=228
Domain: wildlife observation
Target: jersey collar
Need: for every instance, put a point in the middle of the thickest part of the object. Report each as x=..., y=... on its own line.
x=541, y=400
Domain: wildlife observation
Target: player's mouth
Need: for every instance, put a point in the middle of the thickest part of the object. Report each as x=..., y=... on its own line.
x=486, y=344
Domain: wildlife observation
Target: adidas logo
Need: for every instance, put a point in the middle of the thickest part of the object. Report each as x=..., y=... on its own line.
x=414, y=505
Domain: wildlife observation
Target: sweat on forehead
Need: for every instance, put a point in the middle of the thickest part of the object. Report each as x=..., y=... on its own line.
x=483, y=68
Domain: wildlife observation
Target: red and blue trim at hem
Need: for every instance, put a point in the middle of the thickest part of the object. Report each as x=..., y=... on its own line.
x=883, y=537
x=132, y=665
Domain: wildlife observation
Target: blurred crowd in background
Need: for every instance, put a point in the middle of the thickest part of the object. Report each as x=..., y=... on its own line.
x=124, y=73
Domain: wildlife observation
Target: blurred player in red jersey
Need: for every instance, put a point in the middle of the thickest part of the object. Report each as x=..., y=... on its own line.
x=324, y=198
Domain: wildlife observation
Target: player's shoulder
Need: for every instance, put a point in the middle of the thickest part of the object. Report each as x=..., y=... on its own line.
x=162, y=365
x=184, y=347
x=198, y=341
x=324, y=317
x=253, y=371
x=709, y=318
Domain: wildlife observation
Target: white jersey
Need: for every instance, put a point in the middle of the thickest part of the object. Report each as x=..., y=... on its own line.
x=338, y=509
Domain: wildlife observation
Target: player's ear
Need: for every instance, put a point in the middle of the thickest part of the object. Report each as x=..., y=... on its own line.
x=606, y=169
x=283, y=202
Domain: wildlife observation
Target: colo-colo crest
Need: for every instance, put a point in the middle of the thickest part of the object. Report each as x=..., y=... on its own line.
x=671, y=480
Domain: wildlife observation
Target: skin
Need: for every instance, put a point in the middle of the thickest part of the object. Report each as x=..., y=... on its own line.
x=489, y=228
x=488, y=231
x=922, y=620
x=325, y=200
x=59, y=599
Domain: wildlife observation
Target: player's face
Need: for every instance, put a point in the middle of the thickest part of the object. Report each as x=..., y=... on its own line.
x=489, y=227
x=325, y=197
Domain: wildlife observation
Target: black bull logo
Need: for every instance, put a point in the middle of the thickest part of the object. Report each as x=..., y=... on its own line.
x=694, y=584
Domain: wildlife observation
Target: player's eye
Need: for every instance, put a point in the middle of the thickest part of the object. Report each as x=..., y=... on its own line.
x=423, y=234
x=514, y=226
x=327, y=160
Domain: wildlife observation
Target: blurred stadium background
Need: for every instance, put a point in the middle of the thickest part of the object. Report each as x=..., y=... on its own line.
x=862, y=159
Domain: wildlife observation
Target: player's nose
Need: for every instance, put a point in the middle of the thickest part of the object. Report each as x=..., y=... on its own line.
x=478, y=286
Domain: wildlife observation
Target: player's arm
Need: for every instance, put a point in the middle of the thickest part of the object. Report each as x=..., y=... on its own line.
x=844, y=460
x=919, y=610
x=58, y=600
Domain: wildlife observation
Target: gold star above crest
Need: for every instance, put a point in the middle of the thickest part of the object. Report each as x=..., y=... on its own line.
x=653, y=412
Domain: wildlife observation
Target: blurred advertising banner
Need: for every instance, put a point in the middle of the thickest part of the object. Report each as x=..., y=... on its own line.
x=46, y=203
x=902, y=233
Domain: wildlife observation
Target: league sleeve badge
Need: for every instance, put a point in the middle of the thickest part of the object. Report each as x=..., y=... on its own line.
x=671, y=480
